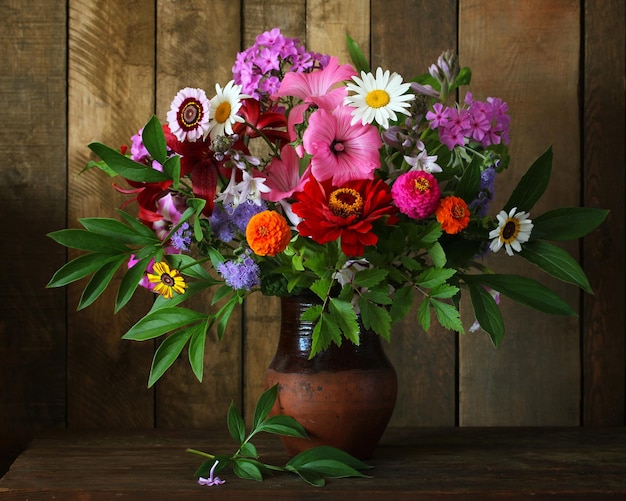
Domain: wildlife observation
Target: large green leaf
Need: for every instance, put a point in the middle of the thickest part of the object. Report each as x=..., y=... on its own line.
x=282, y=425
x=557, y=262
x=119, y=232
x=525, y=291
x=356, y=54
x=167, y=353
x=346, y=318
x=162, y=321
x=447, y=315
x=532, y=185
x=127, y=168
x=154, y=140
x=80, y=239
x=469, y=184
x=567, y=223
x=130, y=282
x=196, y=349
x=264, y=405
x=487, y=313
x=80, y=267
x=99, y=281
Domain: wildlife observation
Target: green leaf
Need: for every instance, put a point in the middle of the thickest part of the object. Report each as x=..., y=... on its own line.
x=437, y=254
x=264, y=405
x=463, y=78
x=154, y=140
x=423, y=314
x=447, y=315
x=139, y=228
x=125, y=167
x=79, y=268
x=532, y=185
x=469, y=184
x=191, y=267
x=487, y=313
x=162, y=321
x=167, y=353
x=247, y=469
x=283, y=425
x=76, y=238
x=346, y=318
x=402, y=303
x=99, y=282
x=356, y=54
x=117, y=231
x=130, y=282
x=375, y=318
x=171, y=167
x=310, y=477
x=224, y=316
x=443, y=291
x=525, y=291
x=370, y=277
x=568, y=223
x=248, y=449
x=196, y=349
x=432, y=277
x=557, y=262
x=236, y=425
x=325, y=452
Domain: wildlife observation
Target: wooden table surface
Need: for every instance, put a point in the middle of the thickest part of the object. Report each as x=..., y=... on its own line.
x=415, y=463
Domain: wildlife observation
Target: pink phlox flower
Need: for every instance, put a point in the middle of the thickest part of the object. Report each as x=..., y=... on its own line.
x=267, y=60
x=339, y=150
x=282, y=175
x=438, y=117
x=478, y=124
x=451, y=138
x=458, y=120
x=212, y=480
x=270, y=38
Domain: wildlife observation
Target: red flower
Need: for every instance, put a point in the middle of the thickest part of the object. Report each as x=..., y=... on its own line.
x=347, y=212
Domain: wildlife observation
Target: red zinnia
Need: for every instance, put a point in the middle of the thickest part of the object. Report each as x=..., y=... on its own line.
x=347, y=212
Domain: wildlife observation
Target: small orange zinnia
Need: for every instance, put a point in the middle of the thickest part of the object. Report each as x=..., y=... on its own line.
x=453, y=214
x=268, y=233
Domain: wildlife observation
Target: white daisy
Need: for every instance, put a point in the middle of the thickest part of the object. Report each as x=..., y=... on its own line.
x=513, y=230
x=188, y=117
x=378, y=98
x=224, y=108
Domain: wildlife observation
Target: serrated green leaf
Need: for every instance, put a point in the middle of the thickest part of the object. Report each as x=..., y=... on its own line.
x=378, y=296
x=443, y=291
x=369, y=277
x=568, y=223
x=154, y=140
x=264, y=405
x=556, y=262
x=99, y=282
x=525, y=291
x=321, y=287
x=312, y=313
x=345, y=317
x=162, y=321
x=437, y=254
x=375, y=318
x=447, y=315
x=236, y=425
x=167, y=353
x=487, y=313
x=432, y=277
x=402, y=303
x=423, y=314
x=532, y=185
x=125, y=167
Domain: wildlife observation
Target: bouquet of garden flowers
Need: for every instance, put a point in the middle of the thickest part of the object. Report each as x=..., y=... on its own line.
x=302, y=173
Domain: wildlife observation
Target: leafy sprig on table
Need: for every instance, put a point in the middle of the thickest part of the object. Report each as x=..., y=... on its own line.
x=314, y=465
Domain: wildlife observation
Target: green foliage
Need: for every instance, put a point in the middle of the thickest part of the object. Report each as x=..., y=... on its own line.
x=356, y=54
x=314, y=465
x=532, y=185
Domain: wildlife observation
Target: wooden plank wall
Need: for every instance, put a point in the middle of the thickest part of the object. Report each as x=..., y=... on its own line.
x=96, y=70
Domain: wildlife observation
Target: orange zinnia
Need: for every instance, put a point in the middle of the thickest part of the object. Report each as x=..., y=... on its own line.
x=453, y=214
x=268, y=233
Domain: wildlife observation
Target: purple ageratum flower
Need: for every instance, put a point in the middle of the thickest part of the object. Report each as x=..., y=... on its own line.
x=243, y=212
x=181, y=239
x=221, y=225
x=487, y=187
x=242, y=273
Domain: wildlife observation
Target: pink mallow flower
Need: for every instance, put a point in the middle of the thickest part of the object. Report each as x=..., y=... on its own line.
x=339, y=150
x=416, y=193
x=282, y=175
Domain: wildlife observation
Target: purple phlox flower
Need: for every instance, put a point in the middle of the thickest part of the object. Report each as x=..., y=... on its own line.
x=242, y=273
x=212, y=480
x=438, y=117
x=496, y=296
x=267, y=60
x=270, y=37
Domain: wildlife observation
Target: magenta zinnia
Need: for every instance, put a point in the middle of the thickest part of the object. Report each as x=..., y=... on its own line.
x=416, y=193
x=348, y=212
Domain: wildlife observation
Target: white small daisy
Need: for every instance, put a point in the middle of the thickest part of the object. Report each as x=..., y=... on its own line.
x=513, y=230
x=378, y=98
x=188, y=117
x=224, y=108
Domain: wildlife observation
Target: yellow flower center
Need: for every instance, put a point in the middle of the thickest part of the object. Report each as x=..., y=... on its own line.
x=458, y=211
x=510, y=230
x=190, y=114
x=421, y=184
x=222, y=112
x=346, y=202
x=377, y=98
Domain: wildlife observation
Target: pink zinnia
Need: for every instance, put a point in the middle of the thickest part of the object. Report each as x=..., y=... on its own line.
x=416, y=194
x=339, y=150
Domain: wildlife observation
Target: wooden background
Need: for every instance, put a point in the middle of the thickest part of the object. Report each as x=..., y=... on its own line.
x=95, y=70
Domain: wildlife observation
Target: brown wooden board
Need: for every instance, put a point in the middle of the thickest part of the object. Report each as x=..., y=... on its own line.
x=603, y=251
x=528, y=54
x=407, y=37
x=32, y=176
x=200, y=55
x=111, y=92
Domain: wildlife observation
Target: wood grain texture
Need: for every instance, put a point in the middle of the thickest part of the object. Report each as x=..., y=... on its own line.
x=261, y=318
x=528, y=54
x=198, y=57
x=32, y=175
x=111, y=92
x=603, y=251
x=425, y=361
